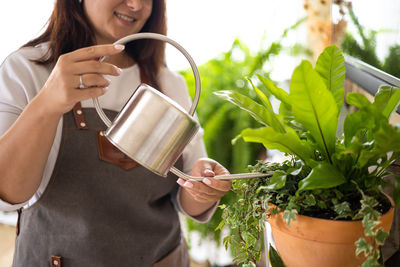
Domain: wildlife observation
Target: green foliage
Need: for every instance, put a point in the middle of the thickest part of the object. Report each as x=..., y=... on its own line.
x=275, y=258
x=221, y=121
x=327, y=176
x=366, y=49
x=392, y=62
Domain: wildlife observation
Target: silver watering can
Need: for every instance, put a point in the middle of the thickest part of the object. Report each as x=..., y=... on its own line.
x=153, y=129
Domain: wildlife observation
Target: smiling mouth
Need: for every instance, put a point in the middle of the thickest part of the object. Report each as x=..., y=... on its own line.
x=124, y=17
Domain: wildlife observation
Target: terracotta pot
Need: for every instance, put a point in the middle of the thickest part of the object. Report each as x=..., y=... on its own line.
x=313, y=242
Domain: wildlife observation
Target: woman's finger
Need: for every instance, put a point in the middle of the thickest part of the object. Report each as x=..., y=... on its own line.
x=219, y=185
x=199, y=188
x=220, y=170
x=92, y=53
x=96, y=67
x=208, y=168
x=90, y=93
x=91, y=80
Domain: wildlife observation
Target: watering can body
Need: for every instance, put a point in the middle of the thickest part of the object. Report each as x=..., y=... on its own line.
x=152, y=129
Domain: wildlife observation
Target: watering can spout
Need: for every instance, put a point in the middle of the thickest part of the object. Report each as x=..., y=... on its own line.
x=226, y=177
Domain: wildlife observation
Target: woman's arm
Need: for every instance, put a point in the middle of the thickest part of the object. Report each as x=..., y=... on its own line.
x=25, y=147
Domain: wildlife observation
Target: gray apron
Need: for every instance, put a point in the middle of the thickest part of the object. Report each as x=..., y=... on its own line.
x=95, y=213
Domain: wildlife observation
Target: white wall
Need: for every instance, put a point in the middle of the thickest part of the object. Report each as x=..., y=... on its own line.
x=205, y=28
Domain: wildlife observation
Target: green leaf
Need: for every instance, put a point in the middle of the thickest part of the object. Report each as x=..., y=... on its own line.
x=330, y=66
x=342, y=210
x=286, y=111
x=363, y=246
x=257, y=111
x=279, y=93
x=386, y=139
x=324, y=175
x=274, y=258
x=367, y=207
x=264, y=99
x=368, y=124
x=220, y=225
x=380, y=236
x=370, y=262
x=355, y=123
x=289, y=215
x=288, y=142
x=387, y=99
x=357, y=99
x=309, y=200
x=314, y=106
x=277, y=180
x=369, y=225
x=339, y=97
x=227, y=241
x=249, y=238
x=296, y=170
x=267, y=105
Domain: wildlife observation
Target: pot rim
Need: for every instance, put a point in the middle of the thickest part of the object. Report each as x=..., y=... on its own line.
x=326, y=230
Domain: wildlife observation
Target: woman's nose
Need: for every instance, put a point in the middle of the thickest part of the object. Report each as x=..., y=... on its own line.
x=134, y=4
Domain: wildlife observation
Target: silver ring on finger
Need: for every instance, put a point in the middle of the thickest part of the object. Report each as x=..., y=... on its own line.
x=81, y=84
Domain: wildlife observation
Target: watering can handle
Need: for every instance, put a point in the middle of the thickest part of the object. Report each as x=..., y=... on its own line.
x=156, y=36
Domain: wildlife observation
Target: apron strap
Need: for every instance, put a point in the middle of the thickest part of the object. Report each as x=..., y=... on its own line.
x=80, y=120
x=79, y=117
x=56, y=261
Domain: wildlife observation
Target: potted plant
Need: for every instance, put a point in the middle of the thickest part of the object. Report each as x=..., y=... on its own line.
x=331, y=178
x=222, y=121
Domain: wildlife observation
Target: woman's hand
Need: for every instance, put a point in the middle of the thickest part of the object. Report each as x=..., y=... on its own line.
x=23, y=156
x=61, y=90
x=206, y=193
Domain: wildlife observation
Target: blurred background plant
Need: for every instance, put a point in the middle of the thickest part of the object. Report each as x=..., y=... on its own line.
x=222, y=122
x=363, y=45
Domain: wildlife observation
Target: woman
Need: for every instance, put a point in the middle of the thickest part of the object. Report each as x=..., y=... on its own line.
x=81, y=201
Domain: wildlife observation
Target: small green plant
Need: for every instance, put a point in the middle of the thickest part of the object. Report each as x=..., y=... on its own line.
x=326, y=176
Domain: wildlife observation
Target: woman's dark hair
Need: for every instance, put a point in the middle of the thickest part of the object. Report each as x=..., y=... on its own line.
x=69, y=29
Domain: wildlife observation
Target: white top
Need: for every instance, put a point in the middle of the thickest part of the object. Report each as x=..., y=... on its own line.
x=21, y=80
